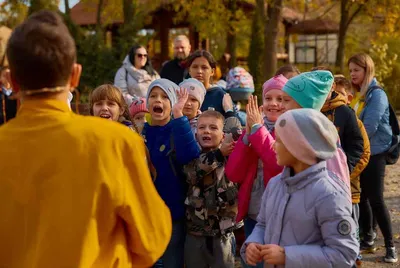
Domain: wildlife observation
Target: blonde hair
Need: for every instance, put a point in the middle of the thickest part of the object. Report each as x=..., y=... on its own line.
x=364, y=61
x=112, y=93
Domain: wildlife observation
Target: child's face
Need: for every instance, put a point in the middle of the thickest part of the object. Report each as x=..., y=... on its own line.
x=107, y=109
x=283, y=156
x=4, y=81
x=201, y=70
x=272, y=104
x=209, y=132
x=191, y=107
x=289, y=103
x=159, y=106
x=139, y=119
x=341, y=90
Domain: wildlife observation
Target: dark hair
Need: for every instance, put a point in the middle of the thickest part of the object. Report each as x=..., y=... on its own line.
x=212, y=114
x=201, y=53
x=41, y=52
x=343, y=82
x=288, y=68
x=148, y=66
x=321, y=68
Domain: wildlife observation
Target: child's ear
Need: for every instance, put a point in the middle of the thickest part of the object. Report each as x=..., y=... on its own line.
x=349, y=98
x=75, y=75
x=122, y=111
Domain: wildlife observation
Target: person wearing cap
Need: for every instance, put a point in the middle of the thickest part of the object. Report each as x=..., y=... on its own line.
x=305, y=216
x=138, y=111
x=311, y=90
x=171, y=145
x=252, y=163
x=197, y=92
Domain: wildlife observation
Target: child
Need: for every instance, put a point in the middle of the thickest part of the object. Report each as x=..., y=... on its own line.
x=138, y=111
x=343, y=86
x=172, y=145
x=345, y=120
x=77, y=192
x=252, y=163
x=305, y=217
x=197, y=92
x=310, y=90
x=212, y=199
x=288, y=71
x=8, y=105
x=106, y=101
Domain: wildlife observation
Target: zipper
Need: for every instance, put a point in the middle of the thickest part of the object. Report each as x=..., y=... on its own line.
x=283, y=217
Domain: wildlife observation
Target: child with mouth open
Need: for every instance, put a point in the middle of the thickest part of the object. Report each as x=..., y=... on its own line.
x=106, y=101
x=172, y=145
x=212, y=199
x=253, y=163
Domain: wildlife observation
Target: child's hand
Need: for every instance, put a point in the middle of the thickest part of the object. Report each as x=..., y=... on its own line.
x=227, y=148
x=273, y=254
x=253, y=112
x=183, y=96
x=227, y=103
x=253, y=254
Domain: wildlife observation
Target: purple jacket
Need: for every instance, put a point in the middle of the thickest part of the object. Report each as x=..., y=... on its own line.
x=309, y=215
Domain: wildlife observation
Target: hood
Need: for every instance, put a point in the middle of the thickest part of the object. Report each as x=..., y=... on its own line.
x=140, y=75
x=336, y=100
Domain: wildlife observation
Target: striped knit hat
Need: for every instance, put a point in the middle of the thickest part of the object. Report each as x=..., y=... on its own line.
x=307, y=134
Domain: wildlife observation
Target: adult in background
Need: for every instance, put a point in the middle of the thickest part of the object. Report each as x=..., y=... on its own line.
x=175, y=70
x=136, y=74
x=372, y=106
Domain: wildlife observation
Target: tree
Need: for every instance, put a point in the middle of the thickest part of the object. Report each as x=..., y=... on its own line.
x=232, y=33
x=67, y=9
x=273, y=18
x=348, y=11
x=36, y=5
x=255, y=58
x=12, y=13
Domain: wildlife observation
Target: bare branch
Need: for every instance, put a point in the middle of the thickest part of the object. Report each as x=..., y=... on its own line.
x=358, y=10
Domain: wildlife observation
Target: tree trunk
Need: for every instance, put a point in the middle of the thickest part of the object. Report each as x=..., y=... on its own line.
x=99, y=11
x=231, y=39
x=344, y=18
x=67, y=9
x=129, y=11
x=274, y=12
x=36, y=5
x=255, y=58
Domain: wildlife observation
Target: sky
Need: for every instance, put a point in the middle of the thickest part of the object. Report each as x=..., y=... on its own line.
x=71, y=4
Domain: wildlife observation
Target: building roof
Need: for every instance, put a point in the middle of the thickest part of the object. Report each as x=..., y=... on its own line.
x=314, y=26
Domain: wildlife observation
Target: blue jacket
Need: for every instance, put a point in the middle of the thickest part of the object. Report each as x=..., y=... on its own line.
x=375, y=117
x=170, y=147
x=308, y=214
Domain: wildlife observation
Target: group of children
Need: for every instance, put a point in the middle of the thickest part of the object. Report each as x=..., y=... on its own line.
x=286, y=176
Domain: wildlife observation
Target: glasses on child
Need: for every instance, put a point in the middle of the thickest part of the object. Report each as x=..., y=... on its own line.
x=142, y=55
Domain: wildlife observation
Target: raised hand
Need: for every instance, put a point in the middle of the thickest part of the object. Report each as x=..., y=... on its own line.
x=253, y=112
x=227, y=103
x=227, y=145
x=183, y=96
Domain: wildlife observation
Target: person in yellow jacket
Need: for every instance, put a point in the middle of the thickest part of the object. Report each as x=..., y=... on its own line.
x=75, y=191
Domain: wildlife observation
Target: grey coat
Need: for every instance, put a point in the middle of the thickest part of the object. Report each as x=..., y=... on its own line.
x=309, y=215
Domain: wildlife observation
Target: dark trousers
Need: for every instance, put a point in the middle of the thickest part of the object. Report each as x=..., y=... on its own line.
x=372, y=203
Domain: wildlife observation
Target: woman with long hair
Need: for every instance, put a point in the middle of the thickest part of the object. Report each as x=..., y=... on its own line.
x=136, y=74
x=372, y=106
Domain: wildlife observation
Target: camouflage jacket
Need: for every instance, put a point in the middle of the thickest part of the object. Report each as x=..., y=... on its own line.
x=211, y=203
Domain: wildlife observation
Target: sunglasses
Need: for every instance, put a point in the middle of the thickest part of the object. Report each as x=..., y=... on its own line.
x=141, y=55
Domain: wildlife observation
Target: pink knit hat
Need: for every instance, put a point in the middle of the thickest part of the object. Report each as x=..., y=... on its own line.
x=276, y=82
x=137, y=106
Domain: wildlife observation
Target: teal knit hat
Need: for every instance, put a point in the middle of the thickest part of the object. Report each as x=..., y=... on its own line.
x=310, y=89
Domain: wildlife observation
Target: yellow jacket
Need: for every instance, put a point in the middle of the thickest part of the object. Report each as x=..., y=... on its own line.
x=75, y=191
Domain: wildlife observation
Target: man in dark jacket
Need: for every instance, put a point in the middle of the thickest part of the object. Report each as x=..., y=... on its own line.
x=175, y=70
